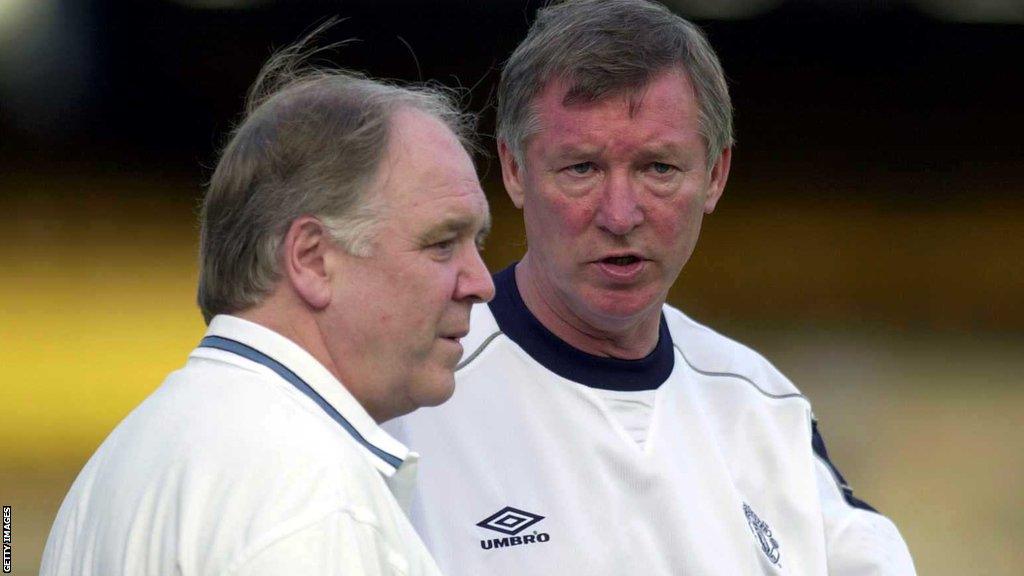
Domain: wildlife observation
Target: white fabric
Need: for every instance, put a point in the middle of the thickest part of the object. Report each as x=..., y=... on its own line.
x=726, y=482
x=229, y=469
x=632, y=410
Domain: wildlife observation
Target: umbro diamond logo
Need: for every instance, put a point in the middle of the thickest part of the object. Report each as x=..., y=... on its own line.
x=512, y=521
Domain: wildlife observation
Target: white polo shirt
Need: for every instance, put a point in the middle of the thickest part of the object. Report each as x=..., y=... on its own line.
x=252, y=459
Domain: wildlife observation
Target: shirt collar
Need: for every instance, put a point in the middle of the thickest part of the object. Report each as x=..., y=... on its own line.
x=517, y=322
x=250, y=342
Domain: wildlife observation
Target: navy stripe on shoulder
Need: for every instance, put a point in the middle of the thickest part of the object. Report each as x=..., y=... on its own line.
x=250, y=353
x=818, y=443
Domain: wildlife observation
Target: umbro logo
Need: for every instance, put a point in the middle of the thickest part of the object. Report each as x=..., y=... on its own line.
x=512, y=521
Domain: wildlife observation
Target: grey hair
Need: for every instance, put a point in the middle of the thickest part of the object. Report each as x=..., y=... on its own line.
x=609, y=47
x=310, y=143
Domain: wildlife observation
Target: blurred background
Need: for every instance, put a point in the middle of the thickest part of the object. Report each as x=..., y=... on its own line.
x=870, y=242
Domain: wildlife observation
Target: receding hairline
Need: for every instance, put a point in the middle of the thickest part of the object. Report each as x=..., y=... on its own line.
x=390, y=157
x=401, y=135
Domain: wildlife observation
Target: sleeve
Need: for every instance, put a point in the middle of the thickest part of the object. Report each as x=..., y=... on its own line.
x=335, y=545
x=859, y=541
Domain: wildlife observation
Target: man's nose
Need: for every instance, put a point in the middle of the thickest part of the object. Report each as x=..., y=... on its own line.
x=619, y=211
x=475, y=282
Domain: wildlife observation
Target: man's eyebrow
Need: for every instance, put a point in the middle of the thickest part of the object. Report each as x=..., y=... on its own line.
x=458, y=224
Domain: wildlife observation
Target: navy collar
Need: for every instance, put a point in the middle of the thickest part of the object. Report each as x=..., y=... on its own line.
x=517, y=322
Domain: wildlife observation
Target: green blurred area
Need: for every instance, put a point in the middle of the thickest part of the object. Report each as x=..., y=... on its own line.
x=903, y=324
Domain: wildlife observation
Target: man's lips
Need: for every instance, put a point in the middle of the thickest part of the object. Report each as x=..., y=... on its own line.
x=621, y=267
x=624, y=259
x=455, y=335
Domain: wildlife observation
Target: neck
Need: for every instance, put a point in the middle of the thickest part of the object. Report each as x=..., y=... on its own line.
x=291, y=320
x=293, y=325
x=624, y=338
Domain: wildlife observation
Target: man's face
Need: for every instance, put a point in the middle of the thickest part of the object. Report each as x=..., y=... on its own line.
x=613, y=196
x=406, y=306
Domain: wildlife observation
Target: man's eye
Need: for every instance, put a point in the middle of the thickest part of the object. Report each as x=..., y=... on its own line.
x=582, y=168
x=661, y=167
x=443, y=245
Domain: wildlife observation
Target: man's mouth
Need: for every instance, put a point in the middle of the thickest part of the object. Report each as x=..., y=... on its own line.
x=621, y=260
x=456, y=335
x=622, y=267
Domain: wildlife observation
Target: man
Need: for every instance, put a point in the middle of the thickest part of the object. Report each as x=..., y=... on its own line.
x=339, y=262
x=596, y=430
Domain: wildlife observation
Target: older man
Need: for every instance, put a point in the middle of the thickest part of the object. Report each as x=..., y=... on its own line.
x=339, y=262
x=595, y=429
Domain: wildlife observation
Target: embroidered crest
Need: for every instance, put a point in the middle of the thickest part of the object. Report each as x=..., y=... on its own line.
x=769, y=545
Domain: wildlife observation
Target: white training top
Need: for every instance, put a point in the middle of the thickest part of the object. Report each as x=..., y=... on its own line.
x=526, y=470
x=252, y=459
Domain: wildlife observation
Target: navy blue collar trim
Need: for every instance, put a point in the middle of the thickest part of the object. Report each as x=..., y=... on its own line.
x=250, y=353
x=517, y=322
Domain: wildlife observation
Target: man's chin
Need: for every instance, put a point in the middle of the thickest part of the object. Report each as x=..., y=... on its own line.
x=623, y=307
x=436, y=392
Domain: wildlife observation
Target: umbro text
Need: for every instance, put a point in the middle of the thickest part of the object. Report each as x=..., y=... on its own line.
x=515, y=540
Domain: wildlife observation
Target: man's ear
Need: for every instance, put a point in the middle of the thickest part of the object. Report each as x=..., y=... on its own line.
x=717, y=179
x=305, y=252
x=511, y=173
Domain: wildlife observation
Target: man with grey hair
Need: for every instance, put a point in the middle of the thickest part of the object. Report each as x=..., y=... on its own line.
x=339, y=260
x=597, y=430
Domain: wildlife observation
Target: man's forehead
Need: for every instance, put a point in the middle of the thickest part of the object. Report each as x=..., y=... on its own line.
x=568, y=91
x=663, y=112
x=669, y=94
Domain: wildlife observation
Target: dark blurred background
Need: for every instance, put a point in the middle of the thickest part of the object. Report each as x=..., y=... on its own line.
x=870, y=241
